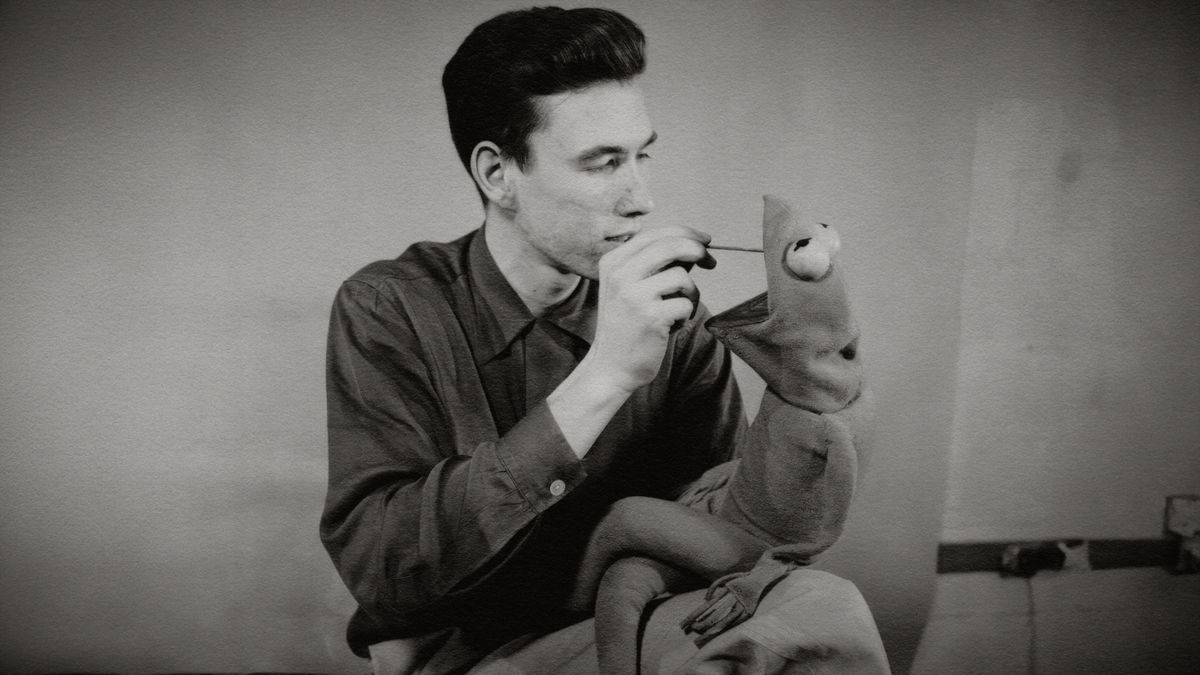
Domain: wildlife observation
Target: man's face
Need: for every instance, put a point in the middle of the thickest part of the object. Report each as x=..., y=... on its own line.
x=583, y=190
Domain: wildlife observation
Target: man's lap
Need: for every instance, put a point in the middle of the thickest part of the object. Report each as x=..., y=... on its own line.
x=810, y=622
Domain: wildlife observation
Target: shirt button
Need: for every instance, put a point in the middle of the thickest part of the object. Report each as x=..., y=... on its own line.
x=557, y=488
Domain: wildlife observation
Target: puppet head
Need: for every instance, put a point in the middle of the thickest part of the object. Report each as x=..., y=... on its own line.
x=799, y=335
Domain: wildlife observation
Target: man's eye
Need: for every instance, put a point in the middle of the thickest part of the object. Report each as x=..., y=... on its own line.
x=643, y=155
x=609, y=165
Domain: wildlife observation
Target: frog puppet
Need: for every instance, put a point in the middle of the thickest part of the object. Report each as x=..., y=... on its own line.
x=784, y=498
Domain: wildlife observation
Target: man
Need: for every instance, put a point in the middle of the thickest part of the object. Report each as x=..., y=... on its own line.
x=491, y=397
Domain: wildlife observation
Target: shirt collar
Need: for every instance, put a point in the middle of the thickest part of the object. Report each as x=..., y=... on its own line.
x=577, y=314
x=500, y=314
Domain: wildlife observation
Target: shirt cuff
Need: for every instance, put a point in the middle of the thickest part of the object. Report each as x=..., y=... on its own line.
x=541, y=462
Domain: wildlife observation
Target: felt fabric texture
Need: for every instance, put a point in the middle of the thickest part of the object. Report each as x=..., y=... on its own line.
x=799, y=335
x=794, y=480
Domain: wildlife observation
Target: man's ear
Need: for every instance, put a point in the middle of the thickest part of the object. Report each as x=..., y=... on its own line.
x=492, y=172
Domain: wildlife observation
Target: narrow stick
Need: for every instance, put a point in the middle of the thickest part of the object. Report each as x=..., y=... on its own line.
x=735, y=248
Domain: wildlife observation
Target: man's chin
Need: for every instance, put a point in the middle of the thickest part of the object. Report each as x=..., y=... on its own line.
x=588, y=269
x=587, y=266
x=591, y=271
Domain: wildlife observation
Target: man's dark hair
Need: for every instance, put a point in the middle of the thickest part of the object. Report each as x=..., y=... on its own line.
x=491, y=80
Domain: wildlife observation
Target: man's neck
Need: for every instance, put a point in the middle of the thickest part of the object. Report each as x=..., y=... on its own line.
x=540, y=285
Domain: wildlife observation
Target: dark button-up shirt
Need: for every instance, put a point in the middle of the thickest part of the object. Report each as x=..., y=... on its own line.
x=453, y=498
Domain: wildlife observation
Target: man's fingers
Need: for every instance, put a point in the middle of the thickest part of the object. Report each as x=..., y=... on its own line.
x=652, y=233
x=661, y=253
x=670, y=281
x=676, y=309
x=674, y=283
x=649, y=236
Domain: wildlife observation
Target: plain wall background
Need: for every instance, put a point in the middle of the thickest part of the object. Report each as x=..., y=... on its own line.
x=184, y=185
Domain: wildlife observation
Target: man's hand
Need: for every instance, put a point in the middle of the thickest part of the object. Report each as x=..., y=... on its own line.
x=644, y=290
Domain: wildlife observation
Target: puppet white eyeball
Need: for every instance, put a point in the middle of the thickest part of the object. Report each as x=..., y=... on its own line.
x=809, y=258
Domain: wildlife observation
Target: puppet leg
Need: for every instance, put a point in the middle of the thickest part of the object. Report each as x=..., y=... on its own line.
x=702, y=543
x=683, y=548
x=628, y=587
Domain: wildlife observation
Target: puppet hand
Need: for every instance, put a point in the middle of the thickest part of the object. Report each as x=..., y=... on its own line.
x=727, y=605
x=733, y=598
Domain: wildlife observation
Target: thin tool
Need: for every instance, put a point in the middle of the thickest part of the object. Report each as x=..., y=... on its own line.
x=735, y=248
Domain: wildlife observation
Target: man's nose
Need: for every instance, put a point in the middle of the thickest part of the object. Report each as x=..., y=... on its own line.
x=636, y=201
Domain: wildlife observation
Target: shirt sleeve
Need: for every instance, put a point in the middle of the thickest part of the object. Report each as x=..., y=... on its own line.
x=409, y=521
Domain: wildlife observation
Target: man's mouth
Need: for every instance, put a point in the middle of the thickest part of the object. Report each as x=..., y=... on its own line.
x=620, y=238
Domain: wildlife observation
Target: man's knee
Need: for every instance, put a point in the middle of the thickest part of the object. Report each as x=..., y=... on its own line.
x=836, y=599
x=814, y=614
x=809, y=619
x=819, y=584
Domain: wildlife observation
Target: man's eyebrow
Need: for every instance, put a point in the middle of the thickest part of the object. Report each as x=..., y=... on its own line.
x=602, y=150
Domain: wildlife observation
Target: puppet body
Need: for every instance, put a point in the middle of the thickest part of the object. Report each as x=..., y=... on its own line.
x=750, y=521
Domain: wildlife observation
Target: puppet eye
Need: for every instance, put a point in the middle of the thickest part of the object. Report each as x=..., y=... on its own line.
x=802, y=243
